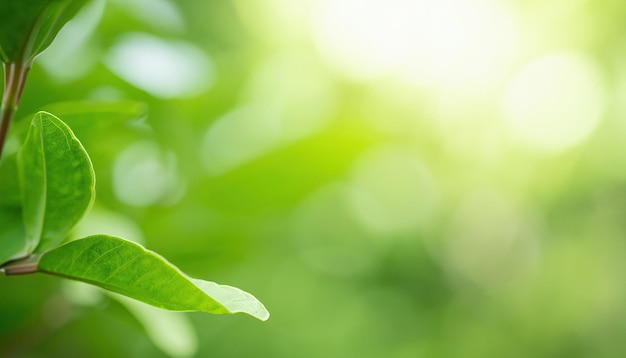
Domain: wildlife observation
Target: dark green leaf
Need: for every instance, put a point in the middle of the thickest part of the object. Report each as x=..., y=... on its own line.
x=57, y=181
x=9, y=182
x=27, y=27
x=124, y=267
x=13, y=243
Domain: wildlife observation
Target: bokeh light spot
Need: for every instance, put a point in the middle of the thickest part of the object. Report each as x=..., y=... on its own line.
x=143, y=175
x=163, y=14
x=237, y=137
x=303, y=94
x=72, y=55
x=165, y=69
x=490, y=240
x=556, y=101
x=99, y=220
x=300, y=104
x=392, y=192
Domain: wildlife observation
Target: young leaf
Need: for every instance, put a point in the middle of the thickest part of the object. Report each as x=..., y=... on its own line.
x=124, y=267
x=57, y=181
x=27, y=27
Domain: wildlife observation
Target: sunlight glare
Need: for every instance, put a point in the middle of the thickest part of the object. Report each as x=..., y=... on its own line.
x=446, y=41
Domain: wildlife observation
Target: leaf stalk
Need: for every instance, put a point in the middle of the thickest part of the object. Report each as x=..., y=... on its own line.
x=14, y=79
x=22, y=266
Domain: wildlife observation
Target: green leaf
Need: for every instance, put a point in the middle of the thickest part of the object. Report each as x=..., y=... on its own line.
x=12, y=236
x=27, y=27
x=124, y=267
x=57, y=181
x=13, y=242
x=9, y=182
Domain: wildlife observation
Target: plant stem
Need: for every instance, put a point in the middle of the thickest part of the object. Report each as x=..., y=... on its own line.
x=22, y=266
x=14, y=80
x=23, y=269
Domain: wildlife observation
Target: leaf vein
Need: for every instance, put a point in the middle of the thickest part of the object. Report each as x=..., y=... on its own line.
x=119, y=268
x=100, y=257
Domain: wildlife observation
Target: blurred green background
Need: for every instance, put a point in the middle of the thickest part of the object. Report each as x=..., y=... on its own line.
x=392, y=178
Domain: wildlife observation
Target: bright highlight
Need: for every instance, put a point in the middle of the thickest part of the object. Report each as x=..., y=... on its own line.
x=556, y=101
x=447, y=42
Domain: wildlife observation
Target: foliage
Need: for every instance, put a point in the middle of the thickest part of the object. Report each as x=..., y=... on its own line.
x=28, y=28
x=394, y=178
x=57, y=185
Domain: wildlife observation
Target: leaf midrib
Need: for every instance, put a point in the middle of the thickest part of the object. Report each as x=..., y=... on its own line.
x=42, y=217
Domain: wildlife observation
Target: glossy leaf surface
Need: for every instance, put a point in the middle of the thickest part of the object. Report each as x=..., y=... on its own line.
x=57, y=181
x=124, y=267
x=28, y=27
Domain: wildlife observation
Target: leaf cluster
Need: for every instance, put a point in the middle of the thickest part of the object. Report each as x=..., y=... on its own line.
x=47, y=184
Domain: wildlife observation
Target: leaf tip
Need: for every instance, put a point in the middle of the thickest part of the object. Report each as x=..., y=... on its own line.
x=265, y=316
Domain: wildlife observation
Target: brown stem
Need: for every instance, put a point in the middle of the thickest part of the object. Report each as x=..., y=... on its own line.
x=14, y=80
x=22, y=266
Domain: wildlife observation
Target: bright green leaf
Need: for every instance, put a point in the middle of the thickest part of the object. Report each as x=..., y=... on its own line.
x=125, y=267
x=57, y=181
x=27, y=27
